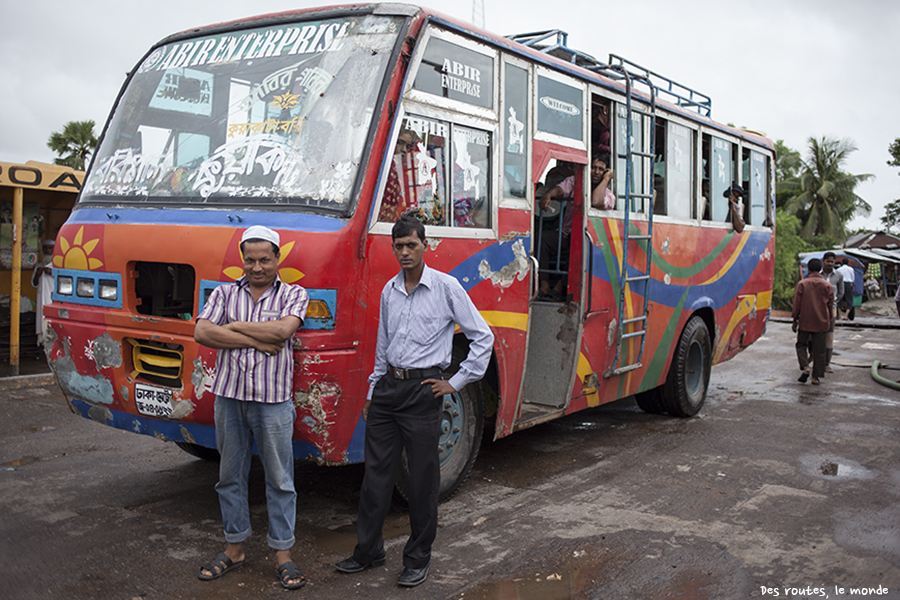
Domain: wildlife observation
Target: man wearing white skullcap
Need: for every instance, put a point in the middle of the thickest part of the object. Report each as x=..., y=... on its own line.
x=252, y=323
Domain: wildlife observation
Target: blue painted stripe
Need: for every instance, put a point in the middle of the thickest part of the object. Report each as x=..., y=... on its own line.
x=497, y=255
x=206, y=217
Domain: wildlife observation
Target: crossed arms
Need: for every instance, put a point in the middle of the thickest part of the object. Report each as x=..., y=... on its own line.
x=265, y=336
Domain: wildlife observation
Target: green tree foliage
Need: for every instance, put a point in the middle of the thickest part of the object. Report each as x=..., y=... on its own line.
x=787, y=166
x=894, y=149
x=787, y=246
x=891, y=218
x=74, y=144
x=823, y=196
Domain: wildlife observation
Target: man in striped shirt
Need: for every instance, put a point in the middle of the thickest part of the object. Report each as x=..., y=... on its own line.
x=419, y=310
x=252, y=323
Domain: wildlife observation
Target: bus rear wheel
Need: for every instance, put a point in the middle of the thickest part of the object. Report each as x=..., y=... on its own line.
x=462, y=426
x=651, y=401
x=684, y=391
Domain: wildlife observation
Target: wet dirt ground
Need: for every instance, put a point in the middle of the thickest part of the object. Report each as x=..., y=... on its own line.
x=776, y=486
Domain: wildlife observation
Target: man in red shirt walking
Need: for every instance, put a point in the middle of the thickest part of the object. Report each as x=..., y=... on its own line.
x=812, y=314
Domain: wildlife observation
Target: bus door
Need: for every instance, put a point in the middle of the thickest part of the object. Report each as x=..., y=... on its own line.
x=554, y=329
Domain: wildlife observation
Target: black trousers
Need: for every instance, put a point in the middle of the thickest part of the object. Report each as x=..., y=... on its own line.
x=404, y=414
x=817, y=341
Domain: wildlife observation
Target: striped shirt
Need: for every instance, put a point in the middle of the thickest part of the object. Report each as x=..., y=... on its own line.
x=246, y=373
x=415, y=331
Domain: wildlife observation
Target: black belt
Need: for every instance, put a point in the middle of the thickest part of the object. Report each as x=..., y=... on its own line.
x=398, y=373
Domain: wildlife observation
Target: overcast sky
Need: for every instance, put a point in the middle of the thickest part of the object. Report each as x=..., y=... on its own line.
x=790, y=68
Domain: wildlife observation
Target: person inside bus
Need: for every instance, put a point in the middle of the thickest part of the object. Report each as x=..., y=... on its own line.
x=558, y=245
x=395, y=201
x=600, y=133
x=735, y=206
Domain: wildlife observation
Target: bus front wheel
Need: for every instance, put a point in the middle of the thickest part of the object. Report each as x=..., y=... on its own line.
x=210, y=454
x=462, y=425
x=684, y=391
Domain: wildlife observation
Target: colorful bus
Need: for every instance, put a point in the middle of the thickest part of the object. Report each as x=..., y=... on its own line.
x=326, y=124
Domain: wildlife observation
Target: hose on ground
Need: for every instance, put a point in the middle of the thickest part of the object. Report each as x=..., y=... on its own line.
x=882, y=380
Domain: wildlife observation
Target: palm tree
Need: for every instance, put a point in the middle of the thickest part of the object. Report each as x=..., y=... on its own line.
x=73, y=144
x=823, y=196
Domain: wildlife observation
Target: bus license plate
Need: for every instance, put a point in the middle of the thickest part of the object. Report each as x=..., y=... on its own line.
x=153, y=401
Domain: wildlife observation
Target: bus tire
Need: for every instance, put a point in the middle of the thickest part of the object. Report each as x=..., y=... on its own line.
x=684, y=392
x=202, y=452
x=651, y=401
x=462, y=426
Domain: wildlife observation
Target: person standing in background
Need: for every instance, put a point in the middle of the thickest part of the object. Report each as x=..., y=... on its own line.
x=812, y=315
x=42, y=279
x=837, y=284
x=849, y=276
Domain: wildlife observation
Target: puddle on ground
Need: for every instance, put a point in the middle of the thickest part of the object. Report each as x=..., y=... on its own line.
x=554, y=586
x=342, y=540
x=576, y=571
x=21, y=462
x=832, y=467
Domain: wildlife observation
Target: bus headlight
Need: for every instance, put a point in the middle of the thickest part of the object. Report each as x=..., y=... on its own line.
x=84, y=288
x=64, y=285
x=109, y=290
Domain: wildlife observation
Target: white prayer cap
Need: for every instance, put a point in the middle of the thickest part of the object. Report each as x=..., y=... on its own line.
x=258, y=232
x=50, y=243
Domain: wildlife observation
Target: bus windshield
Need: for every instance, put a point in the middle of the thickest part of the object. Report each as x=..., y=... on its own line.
x=277, y=115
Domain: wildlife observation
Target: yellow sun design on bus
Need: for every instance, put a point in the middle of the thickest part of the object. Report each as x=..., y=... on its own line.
x=287, y=274
x=77, y=254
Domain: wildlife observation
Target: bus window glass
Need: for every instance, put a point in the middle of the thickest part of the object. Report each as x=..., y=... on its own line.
x=560, y=108
x=679, y=170
x=515, y=123
x=457, y=73
x=637, y=145
x=721, y=177
x=434, y=160
x=471, y=167
x=759, y=186
x=274, y=115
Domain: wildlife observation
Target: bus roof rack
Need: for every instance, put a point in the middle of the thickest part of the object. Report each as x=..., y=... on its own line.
x=555, y=43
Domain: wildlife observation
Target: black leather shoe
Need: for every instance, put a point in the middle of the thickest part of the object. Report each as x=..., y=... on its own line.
x=413, y=577
x=351, y=565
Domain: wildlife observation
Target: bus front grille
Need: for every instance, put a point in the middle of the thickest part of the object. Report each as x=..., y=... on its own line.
x=157, y=362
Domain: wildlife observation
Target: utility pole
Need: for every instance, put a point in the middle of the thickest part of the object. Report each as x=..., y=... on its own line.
x=478, y=13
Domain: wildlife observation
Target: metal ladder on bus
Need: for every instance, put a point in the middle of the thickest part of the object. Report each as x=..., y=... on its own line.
x=636, y=323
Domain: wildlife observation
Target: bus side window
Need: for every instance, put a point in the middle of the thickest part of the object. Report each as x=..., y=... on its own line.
x=471, y=177
x=680, y=178
x=705, y=191
x=659, y=169
x=757, y=183
x=440, y=173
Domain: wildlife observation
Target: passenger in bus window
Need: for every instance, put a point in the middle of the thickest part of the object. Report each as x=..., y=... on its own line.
x=705, y=203
x=557, y=246
x=396, y=200
x=251, y=323
x=601, y=178
x=600, y=133
x=735, y=206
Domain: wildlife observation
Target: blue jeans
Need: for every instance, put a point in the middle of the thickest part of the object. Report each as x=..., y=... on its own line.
x=238, y=424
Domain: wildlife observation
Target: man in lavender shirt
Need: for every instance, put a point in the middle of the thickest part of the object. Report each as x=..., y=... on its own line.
x=420, y=308
x=252, y=323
